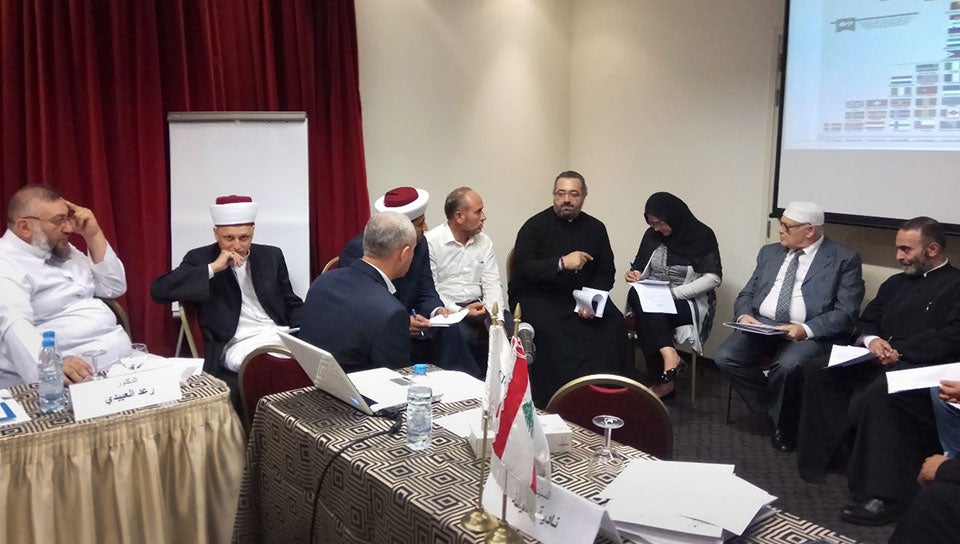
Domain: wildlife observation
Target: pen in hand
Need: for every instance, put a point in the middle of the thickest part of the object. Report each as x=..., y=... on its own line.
x=413, y=314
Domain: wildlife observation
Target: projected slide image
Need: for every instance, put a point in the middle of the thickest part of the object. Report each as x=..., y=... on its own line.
x=874, y=74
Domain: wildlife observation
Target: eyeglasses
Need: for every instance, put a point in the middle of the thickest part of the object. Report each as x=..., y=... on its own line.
x=57, y=220
x=572, y=194
x=787, y=227
x=656, y=223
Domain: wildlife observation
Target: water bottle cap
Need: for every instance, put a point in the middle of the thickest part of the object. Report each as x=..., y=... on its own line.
x=49, y=334
x=420, y=369
x=48, y=342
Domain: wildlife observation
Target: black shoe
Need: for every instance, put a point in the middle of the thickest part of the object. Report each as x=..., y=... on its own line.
x=672, y=374
x=871, y=512
x=781, y=443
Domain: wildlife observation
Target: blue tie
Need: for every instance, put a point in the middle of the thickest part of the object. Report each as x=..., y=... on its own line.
x=786, y=290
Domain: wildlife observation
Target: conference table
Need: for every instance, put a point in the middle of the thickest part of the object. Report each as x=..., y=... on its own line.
x=166, y=473
x=375, y=490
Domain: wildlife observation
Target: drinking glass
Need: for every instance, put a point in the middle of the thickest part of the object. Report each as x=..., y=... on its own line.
x=91, y=358
x=136, y=357
x=606, y=463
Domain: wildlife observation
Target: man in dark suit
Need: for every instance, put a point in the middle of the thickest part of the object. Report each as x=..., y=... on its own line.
x=444, y=346
x=351, y=311
x=810, y=288
x=242, y=290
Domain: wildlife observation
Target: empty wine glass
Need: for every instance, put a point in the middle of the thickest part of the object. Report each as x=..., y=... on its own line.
x=136, y=357
x=91, y=358
x=606, y=462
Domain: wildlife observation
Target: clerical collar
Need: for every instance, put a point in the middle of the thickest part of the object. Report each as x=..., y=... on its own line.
x=944, y=263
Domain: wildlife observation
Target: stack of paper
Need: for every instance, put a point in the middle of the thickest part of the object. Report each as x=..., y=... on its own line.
x=655, y=296
x=664, y=501
x=590, y=300
x=755, y=328
x=849, y=355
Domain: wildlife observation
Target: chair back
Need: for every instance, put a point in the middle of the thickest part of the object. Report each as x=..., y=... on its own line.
x=646, y=423
x=120, y=313
x=332, y=263
x=265, y=371
x=190, y=327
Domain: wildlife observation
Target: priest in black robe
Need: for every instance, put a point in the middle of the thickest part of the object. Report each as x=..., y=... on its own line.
x=558, y=250
x=914, y=321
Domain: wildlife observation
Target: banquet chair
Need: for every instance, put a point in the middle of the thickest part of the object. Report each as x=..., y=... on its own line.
x=647, y=425
x=265, y=371
x=120, y=313
x=332, y=263
x=631, y=324
x=190, y=329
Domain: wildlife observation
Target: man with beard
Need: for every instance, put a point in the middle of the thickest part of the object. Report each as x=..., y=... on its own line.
x=47, y=284
x=557, y=251
x=914, y=321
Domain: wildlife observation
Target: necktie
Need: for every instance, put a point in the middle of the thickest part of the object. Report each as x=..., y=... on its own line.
x=786, y=290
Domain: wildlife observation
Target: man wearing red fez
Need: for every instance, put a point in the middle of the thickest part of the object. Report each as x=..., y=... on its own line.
x=242, y=290
x=444, y=347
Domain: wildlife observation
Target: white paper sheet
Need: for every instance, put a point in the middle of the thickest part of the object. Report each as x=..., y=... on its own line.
x=447, y=320
x=590, y=300
x=919, y=378
x=383, y=386
x=655, y=297
x=135, y=390
x=848, y=355
x=460, y=423
x=18, y=410
x=454, y=386
x=183, y=367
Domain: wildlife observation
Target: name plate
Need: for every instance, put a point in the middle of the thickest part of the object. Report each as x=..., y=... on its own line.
x=98, y=398
x=562, y=518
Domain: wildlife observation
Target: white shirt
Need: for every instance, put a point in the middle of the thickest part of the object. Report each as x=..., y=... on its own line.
x=798, y=309
x=464, y=272
x=39, y=294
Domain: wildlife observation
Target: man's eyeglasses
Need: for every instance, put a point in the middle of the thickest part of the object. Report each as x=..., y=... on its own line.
x=572, y=194
x=57, y=220
x=787, y=227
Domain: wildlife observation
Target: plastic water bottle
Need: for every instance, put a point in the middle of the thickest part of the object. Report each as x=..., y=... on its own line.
x=51, y=376
x=419, y=411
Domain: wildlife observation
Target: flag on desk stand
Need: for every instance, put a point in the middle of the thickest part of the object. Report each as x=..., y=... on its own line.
x=521, y=458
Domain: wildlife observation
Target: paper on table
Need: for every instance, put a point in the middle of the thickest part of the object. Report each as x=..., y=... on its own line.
x=591, y=300
x=767, y=330
x=454, y=386
x=655, y=296
x=18, y=410
x=919, y=378
x=447, y=320
x=459, y=423
x=183, y=367
x=385, y=387
x=849, y=355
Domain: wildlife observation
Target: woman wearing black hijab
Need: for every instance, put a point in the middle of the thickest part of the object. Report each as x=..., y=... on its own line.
x=677, y=248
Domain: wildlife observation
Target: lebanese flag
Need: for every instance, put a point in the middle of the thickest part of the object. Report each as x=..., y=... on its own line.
x=521, y=458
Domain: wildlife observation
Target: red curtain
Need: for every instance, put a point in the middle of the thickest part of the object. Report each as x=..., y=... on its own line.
x=87, y=84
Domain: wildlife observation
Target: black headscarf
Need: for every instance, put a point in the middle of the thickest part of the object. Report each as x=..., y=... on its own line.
x=690, y=241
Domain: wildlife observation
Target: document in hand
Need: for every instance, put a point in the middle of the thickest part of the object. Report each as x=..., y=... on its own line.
x=655, y=296
x=921, y=378
x=849, y=355
x=591, y=300
x=766, y=330
x=447, y=320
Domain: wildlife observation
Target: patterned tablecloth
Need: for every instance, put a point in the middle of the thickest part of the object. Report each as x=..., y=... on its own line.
x=378, y=491
x=167, y=473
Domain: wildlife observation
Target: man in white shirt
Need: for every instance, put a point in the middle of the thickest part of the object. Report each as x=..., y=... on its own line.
x=464, y=267
x=810, y=287
x=48, y=284
x=242, y=290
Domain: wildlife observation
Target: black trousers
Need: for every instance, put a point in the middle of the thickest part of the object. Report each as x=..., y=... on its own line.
x=655, y=331
x=932, y=518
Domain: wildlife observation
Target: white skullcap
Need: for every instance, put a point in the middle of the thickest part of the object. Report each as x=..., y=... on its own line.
x=233, y=210
x=804, y=212
x=409, y=201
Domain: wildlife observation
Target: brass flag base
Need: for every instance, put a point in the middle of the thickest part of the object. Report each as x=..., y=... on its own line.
x=478, y=520
x=503, y=534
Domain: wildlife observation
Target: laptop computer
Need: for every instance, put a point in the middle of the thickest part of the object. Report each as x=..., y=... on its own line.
x=329, y=376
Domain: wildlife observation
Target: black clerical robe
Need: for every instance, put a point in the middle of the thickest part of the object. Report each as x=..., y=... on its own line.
x=568, y=346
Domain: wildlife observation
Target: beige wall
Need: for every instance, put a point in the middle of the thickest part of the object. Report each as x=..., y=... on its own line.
x=638, y=96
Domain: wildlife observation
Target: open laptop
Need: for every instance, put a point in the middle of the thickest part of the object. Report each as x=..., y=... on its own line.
x=329, y=376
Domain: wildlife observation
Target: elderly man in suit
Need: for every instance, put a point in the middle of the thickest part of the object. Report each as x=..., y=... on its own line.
x=242, y=290
x=351, y=311
x=808, y=287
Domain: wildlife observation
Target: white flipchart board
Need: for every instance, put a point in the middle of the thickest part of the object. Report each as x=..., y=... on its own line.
x=259, y=154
